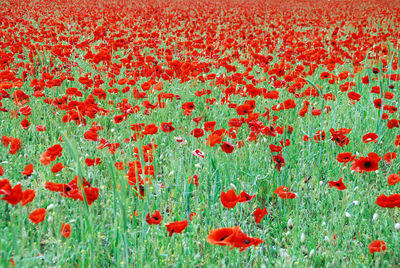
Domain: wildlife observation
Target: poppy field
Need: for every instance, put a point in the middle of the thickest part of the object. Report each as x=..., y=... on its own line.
x=190, y=133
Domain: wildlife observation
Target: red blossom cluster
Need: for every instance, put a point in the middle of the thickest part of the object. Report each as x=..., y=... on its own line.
x=73, y=190
x=233, y=237
x=15, y=195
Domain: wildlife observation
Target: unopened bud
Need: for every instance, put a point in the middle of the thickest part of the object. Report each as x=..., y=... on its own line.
x=304, y=250
x=50, y=207
x=312, y=253
x=290, y=223
x=302, y=238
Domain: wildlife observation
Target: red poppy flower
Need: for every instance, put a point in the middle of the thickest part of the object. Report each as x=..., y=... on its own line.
x=198, y=153
x=289, y=104
x=279, y=161
x=12, y=195
x=365, y=80
x=28, y=170
x=354, y=96
x=1, y=171
x=243, y=241
x=275, y=148
x=392, y=123
x=5, y=140
x=155, y=218
x=38, y=215
x=366, y=164
x=91, y=135
x=245, y=197
x=176, y=227
x=91, y=162
x=243, y=109
x=284, y=193
x=378, y=103
x=194, y=179
x=150, y=129
x=337, y=184
x=26, y=110
x=137, y=126
x=56, y=187
x=370, y=137
x=235, y=122
x=232, y=236
x=197, y=120
x=229, y=199
x=5, y=186
x=15, y=145
x=319, y=136
x=345, y=158
x=167, y=127
x=51, y=154
x=65, y=230
x=25, y=124
x=390, y=201
x=72, y=190
x=91, y=193
x=191, y=215
x=389, y=157
x=397, y=141
x=188, y=106
x=146, y=86
x=41, y=128
x=393, y=179
x=27, y=196
x=259, y=214
x=197, y=132
x=119, y=118
x=209, y=126
x=222, y=236
x=119, y=165
x=316, y=112
x=377, y=246
x=213, y=139
x=57, y=168
x=227, y=147
x=339, y=136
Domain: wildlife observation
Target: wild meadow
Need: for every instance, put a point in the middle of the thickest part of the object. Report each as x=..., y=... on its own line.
x=216, y=133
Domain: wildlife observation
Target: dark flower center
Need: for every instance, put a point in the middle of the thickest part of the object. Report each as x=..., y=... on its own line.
x=367, y=164
x=224, y=237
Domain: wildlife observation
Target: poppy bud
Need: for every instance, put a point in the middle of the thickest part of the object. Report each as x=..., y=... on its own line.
x=302, y=238
x=50, y=207
x=233, y=186
x=290, y=223
x=304, y=250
